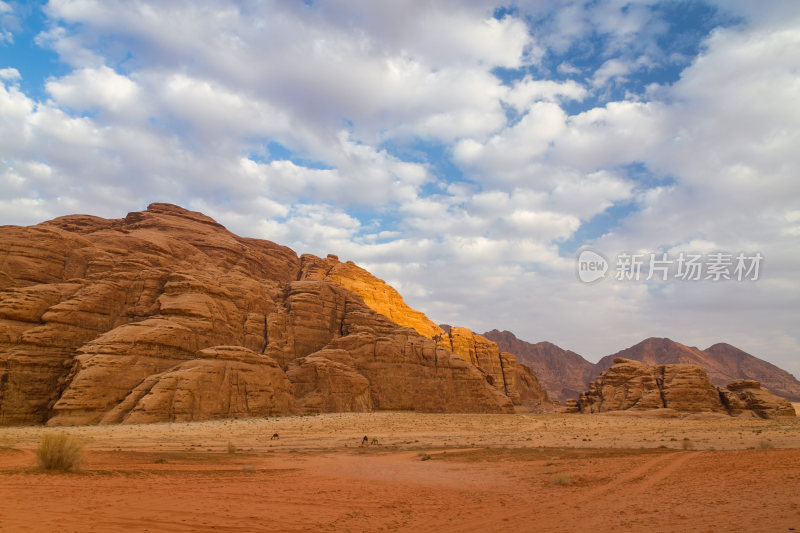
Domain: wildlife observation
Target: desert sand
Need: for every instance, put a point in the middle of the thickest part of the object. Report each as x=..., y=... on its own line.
x=428, y=472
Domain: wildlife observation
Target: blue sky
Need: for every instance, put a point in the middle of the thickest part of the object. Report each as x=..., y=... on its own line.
x=463, y=151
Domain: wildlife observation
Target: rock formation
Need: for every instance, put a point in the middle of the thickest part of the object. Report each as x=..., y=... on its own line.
x=747, y=395
x=563, y=373
x=723, y=363
x=505, y=374
x=376, y=293
x=501, y=368
x=566, y=374
x=165, y=315
x=632, y=385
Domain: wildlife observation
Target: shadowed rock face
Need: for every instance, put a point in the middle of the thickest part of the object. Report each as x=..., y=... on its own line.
x=500, y=368
x=630, y=384
x=747, y=395
x=376, y=293
x=165, y=315
x=563, y=373
x=504, y=373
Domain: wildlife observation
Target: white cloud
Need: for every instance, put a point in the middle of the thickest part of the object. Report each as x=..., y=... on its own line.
x=10, y=74
x=527, y=91
x=90, y=88
x=180, y=101
x=610, y=70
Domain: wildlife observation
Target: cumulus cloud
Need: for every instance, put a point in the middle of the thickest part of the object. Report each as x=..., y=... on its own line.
x=10, y=74
x=461, y=156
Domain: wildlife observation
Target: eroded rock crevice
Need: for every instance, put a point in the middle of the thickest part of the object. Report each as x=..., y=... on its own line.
x=165, y=316
x=683, y=388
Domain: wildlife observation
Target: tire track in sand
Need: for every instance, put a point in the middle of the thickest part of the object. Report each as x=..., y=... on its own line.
x=635, y=481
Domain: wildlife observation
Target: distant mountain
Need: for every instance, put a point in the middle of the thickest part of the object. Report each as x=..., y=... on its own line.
x=563, y=373
x=723, y=363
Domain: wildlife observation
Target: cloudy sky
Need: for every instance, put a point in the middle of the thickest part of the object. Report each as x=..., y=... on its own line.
x=464, y=151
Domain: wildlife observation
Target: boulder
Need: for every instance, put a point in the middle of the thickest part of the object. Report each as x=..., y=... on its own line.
x=743, y=395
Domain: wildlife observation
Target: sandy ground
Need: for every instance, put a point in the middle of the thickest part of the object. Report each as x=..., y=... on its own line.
x=428, y=472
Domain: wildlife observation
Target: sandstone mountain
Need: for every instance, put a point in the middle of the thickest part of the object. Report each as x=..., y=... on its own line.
x=500, y=369
x=563, y=373
x=629, y=384
x=723, y=363
x=165, y=315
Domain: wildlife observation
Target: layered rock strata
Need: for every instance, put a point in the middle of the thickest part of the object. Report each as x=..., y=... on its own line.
x=685, y=388
x=165, y=315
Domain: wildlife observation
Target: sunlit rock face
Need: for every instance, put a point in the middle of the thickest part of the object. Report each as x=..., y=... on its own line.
x=165, y=315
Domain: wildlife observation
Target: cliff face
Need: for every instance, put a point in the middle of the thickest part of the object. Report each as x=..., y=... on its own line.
x=563, y=373
x=504, y=373
x=632, y=385
x=376, y=293
x=723, y=363
x=517, y=381
x=165, y=315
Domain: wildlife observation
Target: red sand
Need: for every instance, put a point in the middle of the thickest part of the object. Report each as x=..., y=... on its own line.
x=302, y=485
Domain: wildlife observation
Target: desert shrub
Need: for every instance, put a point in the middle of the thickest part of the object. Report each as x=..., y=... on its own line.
x=425, y=457
x=160, y=461
x=562, y=480
x=59, y=451
x=687, y=444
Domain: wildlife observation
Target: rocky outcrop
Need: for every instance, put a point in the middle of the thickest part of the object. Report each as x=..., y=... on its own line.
x=736, y=364
x=526, y=392
x=165, y=315
x=506, y=375
x=376, y=293
x=566, y=374
x=626, y=385
x=563, y=373
x=500, y=368
x=686, y=388
x=722, y=362
x=747, y=395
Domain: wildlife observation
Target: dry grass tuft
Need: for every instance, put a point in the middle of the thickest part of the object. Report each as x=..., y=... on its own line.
x=562, y=480
x=59, y=451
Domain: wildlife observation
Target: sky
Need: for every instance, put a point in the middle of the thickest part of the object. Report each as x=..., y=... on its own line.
x=467, y=152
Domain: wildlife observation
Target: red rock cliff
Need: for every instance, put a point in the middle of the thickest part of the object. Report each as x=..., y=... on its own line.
x=165, y=315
